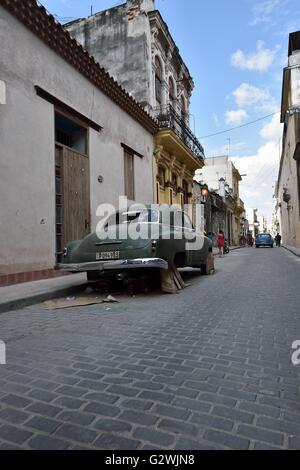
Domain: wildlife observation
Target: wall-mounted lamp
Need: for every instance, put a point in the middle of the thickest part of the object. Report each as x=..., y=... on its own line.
x=100, y=179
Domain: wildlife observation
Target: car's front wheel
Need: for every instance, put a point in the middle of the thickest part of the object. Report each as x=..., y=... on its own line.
x=204, y=269
x=256, y=246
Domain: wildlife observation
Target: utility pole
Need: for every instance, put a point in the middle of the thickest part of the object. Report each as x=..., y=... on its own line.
x=91, y=10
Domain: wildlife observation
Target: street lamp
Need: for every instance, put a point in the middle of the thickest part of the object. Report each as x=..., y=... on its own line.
x=204, y=193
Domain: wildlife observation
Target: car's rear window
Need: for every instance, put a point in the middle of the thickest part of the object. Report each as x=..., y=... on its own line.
x=264, y=236
x=136, y=216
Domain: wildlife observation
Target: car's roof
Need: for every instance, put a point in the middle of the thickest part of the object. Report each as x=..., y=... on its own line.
x=160, y=207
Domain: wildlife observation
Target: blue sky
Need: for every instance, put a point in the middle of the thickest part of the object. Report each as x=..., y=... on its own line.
x=235, y=51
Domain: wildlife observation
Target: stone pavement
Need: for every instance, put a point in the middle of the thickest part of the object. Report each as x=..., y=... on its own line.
x=29, y=293
x=209, y=368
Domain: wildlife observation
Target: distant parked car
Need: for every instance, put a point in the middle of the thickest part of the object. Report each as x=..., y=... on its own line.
x=170, y=239
x=264, y=239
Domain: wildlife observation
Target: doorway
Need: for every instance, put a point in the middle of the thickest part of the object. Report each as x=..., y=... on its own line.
x=72, y=178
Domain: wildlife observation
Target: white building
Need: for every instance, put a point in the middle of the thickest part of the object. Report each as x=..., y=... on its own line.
x=71, y=139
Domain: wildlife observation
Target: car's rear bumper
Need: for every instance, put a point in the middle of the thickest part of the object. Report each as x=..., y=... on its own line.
x=118, y=265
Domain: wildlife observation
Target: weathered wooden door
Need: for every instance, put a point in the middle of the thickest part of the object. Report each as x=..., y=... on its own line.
x=73, y=197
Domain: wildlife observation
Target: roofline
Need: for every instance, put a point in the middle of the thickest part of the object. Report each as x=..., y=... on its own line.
x=52, y=33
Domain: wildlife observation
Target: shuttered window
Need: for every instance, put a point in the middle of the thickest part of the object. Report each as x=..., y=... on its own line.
x=129, y=175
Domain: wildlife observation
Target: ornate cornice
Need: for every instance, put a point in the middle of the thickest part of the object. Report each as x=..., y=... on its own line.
x=52, y=33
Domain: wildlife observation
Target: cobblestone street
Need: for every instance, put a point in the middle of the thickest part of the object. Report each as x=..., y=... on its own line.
x=209, y=368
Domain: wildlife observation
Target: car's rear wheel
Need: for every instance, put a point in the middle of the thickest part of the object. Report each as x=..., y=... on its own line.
x=93, y=276
x=256, y=246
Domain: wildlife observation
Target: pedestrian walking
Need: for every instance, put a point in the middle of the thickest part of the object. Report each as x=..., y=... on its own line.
x=278, y=239
x=221, y=243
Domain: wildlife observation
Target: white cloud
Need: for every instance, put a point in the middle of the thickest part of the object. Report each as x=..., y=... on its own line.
x=259, y=60
x=247, y=95
x=235, y=117
x=261, y=169
x=266, y=11
x=273, y=129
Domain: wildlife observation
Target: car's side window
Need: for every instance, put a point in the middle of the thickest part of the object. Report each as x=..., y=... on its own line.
x=187, y=221
x=178, y=219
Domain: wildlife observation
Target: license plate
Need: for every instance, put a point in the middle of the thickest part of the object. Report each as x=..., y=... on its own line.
x=107, y=255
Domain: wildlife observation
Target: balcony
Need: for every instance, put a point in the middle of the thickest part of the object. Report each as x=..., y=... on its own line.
x=168, y=118
x=239, y=206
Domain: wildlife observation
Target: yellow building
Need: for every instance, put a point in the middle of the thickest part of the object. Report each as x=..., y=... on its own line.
x=174, y=167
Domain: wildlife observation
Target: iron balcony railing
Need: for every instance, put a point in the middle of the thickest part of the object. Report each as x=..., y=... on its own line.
x=168, y=118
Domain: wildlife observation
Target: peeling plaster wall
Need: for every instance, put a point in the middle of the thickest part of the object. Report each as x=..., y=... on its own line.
x=27, y=163
x=119, y=39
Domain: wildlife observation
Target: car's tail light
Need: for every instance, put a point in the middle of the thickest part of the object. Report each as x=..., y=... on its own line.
x=154, y=245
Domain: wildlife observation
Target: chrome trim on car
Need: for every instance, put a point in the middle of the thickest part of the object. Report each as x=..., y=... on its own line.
x=119, y=264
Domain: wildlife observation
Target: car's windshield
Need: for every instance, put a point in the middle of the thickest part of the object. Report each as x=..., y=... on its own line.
x=135, y=216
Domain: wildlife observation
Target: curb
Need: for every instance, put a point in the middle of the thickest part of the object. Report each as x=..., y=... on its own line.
x=291, y=250
x=38, y=298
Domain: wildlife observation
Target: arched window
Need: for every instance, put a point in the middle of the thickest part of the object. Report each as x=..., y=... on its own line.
x=171, y=92
x=183, y=109
x=158, y=81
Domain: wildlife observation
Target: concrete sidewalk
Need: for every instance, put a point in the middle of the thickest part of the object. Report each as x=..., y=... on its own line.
x=28, y=293
x=292, y=249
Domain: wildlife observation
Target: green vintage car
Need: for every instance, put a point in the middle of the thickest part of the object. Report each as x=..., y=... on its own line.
x=151, y=236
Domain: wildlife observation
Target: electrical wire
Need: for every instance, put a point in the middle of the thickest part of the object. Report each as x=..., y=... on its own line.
x=238, y=127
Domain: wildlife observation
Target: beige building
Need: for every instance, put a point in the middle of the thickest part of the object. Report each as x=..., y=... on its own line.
x=71, y=139
x=221, y=175
x=288, y=183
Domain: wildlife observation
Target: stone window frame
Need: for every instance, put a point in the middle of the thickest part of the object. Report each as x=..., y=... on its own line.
x=161, y=78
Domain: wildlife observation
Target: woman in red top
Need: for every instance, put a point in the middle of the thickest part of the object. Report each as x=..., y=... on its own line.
x=221, y=243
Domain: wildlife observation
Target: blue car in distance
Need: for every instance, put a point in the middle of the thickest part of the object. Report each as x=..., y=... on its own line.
x=264, y=239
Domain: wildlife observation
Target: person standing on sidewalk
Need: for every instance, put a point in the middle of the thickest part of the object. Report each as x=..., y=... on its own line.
x=221, y=243
x=278, y=239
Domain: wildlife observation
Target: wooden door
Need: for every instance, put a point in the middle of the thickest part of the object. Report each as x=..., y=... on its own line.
x=73, y=197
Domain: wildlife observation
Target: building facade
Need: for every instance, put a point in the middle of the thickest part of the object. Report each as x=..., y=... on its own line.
x=71, y=139
x=221, y=176
x=288, y=182
x=133, y=43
